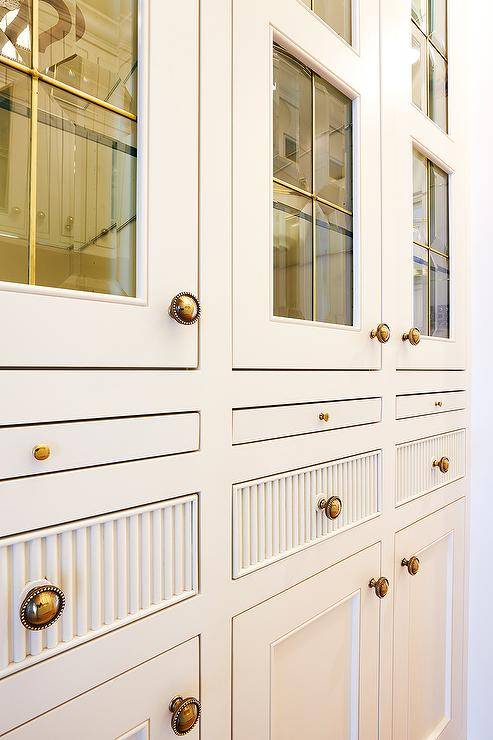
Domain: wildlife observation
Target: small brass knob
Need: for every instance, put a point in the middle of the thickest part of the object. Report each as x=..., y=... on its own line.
x=439, y=404
x=186, y=713
x=185, y=308
x=382, y=333
x=413, y=336
x=41, y=452
x=443, y=464
x=332, y=507
x=41, y=607
x=381, y=587
x=412, y=565
x=323, y=416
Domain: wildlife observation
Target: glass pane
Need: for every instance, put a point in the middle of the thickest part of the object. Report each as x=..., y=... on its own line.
x=293, y=262
x=439, y=296
x=418, y=13
x=334, y=266
x=15, y=136
x=15, y=30
x=439, y=218
x=438, y=24
x=420, y=288
x=419, y=68
x=420, y=198
x=333, y=145
x=438, y=88
x=91, y=45
x=337, y=14
x=292, y=122
x=86, y=191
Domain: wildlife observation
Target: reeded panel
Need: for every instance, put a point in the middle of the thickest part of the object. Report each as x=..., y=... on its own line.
x=112, y=569
x=277, y=516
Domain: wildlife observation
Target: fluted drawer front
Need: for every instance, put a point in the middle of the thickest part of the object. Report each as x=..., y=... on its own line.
x=415, y=474
x=277, y=516
x=112, y=569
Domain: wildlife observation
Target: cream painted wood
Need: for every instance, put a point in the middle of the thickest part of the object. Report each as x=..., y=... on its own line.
x=260, y=339
x=79, y=329
x=429, y=403
x=428, y=628
x=133, y=706
x=253, y=425
x=96, y=442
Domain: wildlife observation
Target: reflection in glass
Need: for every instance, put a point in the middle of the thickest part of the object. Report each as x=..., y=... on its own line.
x=86, y=191
x=91, y=46
x=420, y=288
x=439, y=296
x=292, y=122
x=419, y=68
x=439, y=217
x=333, y=145
x=15, y=122
x=420, y=198
x=15, y=30
x=437, y=106
x=334, y=266
x=337, y=14
x=419, y=10
x=438, y=24
x=293, y=261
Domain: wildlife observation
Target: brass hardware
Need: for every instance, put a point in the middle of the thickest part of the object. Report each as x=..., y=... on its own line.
x=413, y=336
x=332, y=507
x=439, y=404
x=443, y=464
x=185, y=308
x=16, y=211
x=382, y=333
x=323, y=416
x=186, y=713
x=381, y=587
x=41, y=452
x=42, y=607
x=412, y=565
x=69, y=223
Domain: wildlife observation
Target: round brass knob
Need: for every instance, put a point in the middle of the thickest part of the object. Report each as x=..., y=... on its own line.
x=413, y=336
x=332, y=507
x=323, y=416
x=412, y=565
x=41, y=452
x=186, y=713
x=41, y=607
x=382, y=333
x=439, y=404
x=443, y=464
x=185, y=308
x=381, y=587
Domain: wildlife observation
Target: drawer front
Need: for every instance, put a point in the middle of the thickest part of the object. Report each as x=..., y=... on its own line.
x=85, y=443
x=112, y=570
x=271, y=422
x=416, y=475
x=422, y=404
x=277, y=516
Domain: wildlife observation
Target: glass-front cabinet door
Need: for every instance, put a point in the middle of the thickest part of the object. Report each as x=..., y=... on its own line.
x=306, y=184
x=98, y=183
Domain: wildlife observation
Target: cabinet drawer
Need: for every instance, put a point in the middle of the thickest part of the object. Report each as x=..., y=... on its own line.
x=111, y=569
x=421, y=404
x=85, y=443
x=271, y=422
x=277, y=516
x=416, y=475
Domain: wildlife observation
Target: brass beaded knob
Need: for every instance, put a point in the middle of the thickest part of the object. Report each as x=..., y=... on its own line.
x=42, y=607
x=185, y=308
x=412, y=565
x=186, y=713
x=381, y=587
x=413, y=336
x=41, y=452
x=332, y=507
x=382, y=333
x=323, y=416
x=443, y=464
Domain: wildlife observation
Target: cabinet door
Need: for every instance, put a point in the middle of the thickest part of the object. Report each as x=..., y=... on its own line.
x=305, y=663
x=429, y=628
x=306, y=185
x=133, y=706
x=99, y=185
